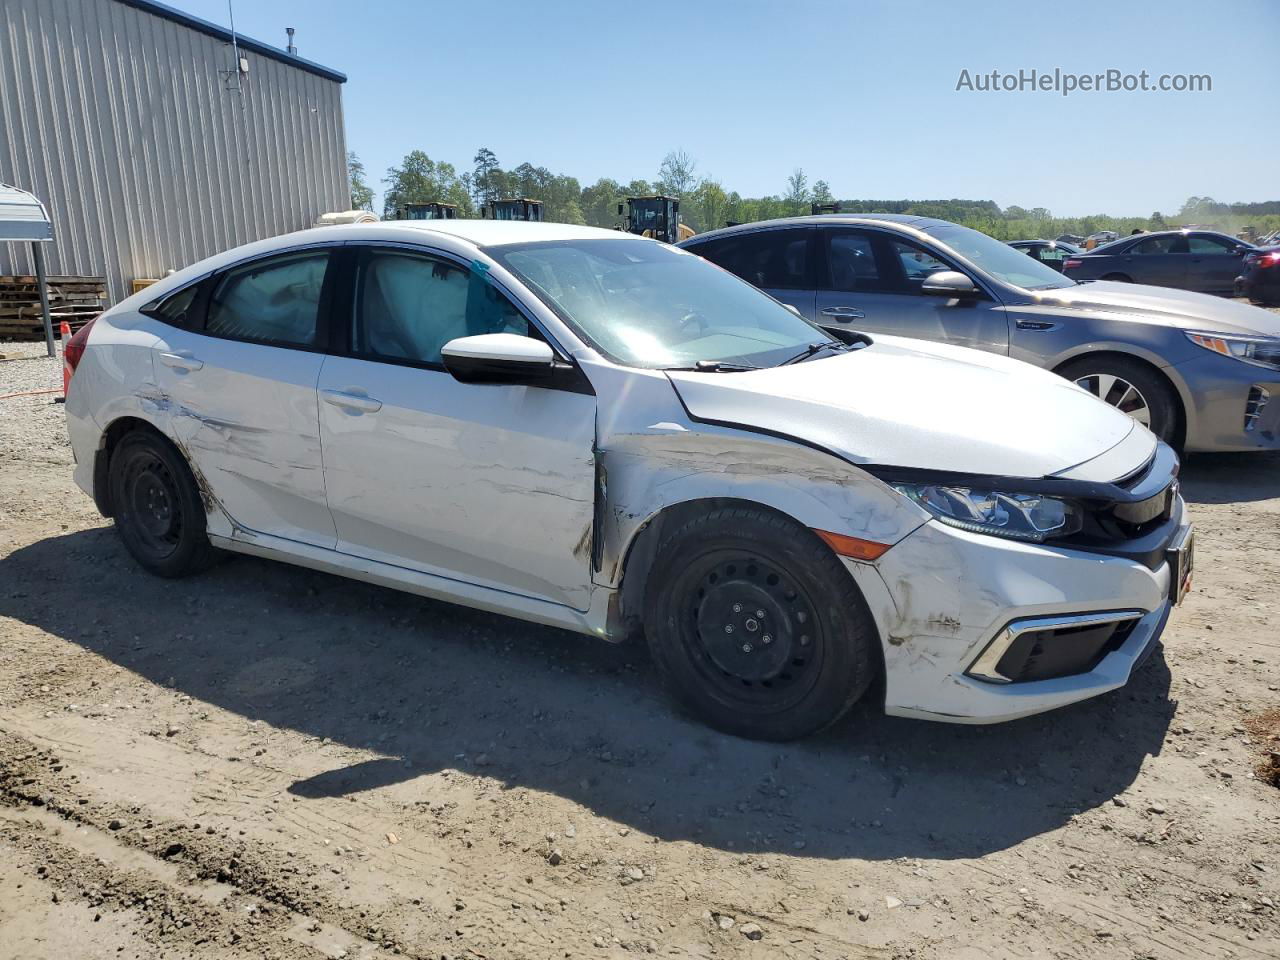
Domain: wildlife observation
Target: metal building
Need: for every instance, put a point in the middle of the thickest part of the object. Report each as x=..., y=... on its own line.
x=154, y=142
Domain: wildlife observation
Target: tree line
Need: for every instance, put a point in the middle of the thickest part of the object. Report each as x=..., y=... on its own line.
x=706, y=204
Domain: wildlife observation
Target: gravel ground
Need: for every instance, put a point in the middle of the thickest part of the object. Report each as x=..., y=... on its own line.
x=269, y=762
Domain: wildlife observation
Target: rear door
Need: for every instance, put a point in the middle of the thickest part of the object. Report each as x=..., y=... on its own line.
x=780, y=261
x=1213, y=263
x=238, y=386
x=872, y=281
x=491, y=484
x=1161, y=260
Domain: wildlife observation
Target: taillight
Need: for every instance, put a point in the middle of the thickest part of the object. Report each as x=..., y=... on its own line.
x=1068, y=264
x=1268, y=260
x=74, y=349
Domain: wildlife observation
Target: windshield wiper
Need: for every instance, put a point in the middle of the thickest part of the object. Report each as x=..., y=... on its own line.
x=813, y=349
x=721, y=366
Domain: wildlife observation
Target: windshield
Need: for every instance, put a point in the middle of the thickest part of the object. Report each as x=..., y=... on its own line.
x=999, y=259
x=646, y=304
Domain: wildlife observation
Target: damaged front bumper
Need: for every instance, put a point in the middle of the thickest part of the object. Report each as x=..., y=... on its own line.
x=970, y=623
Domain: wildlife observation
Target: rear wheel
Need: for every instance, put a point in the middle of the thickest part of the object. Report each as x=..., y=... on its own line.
x=1131, y=387
x=157, y=507
x=757, y=626
x=1118, y=278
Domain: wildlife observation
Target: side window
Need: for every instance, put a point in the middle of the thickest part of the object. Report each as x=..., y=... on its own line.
x=1051, y=254
x=1153, y=245
x=915, y=262
x=175, y=308
x=1202, y=243
x=409, y=306
x=852, y=258
x=275, y=301
x=777, y=259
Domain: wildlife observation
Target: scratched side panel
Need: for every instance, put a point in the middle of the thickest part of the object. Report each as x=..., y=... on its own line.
x=247, y=423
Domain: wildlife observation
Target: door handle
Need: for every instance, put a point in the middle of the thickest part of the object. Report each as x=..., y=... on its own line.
x=351, y=401
x=844, y=314
x=181, y=360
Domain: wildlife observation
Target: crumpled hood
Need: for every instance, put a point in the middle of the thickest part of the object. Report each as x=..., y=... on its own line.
x=1176, y=308
x=911, y=403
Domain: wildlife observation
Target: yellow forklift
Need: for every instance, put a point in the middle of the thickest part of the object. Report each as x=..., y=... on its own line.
x=427, y=211
x=521, y=208
x=657, y=217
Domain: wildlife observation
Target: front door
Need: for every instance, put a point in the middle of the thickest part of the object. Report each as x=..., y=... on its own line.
x=491, y=484
x=238, y=385
x=1213, y=263
x=874, y=284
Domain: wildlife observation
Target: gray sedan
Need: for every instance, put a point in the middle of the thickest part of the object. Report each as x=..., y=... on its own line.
x=1198, y=370
x=1190, y=259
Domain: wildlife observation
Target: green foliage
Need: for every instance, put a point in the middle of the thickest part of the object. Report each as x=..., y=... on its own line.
x=419, y=179
x=707, y=205
x=361, y=192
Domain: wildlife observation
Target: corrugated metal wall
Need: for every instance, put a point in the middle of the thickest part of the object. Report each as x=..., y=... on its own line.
x=120, y=121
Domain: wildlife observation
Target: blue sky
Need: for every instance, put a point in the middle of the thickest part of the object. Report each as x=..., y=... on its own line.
x=860, y=93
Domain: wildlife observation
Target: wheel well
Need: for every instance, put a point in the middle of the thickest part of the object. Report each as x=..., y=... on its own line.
x=1180, y=429
x=637, y=563
x=1116, y=275
x=111, y=437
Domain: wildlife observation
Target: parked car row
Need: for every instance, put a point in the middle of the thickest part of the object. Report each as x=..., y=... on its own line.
x=796, y=496
x=1169, y=358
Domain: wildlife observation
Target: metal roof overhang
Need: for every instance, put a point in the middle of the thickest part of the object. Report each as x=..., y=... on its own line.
x=23, y=218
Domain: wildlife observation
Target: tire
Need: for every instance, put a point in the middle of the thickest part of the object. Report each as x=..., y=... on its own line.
x=1105, y=376
x=726, y=568
x=157, y=506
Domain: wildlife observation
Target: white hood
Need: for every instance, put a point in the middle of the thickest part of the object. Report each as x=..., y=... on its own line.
x=910, y=403
x=1184, y=309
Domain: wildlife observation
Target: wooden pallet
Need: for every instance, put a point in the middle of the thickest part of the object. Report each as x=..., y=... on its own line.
x=74, y=299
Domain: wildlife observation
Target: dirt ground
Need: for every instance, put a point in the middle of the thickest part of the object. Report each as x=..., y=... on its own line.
x=270, y=762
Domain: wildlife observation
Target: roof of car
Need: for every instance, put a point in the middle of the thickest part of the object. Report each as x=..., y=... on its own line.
x=488, y=233
x=905, y=219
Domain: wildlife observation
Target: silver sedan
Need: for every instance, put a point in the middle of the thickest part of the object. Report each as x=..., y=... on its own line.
x=1198, y=370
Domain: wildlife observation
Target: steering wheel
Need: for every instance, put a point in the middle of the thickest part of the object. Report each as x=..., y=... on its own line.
x=690, y=318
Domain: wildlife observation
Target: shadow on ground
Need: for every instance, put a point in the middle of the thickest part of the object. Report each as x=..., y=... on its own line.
x=1231, y=477
x=429, y=685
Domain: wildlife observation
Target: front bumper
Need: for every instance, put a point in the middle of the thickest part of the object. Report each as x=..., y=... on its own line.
x=945, y=594
x=1219, y=395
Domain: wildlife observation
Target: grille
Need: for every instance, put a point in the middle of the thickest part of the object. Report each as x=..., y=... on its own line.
x=1256, y=403
x=1062, y=652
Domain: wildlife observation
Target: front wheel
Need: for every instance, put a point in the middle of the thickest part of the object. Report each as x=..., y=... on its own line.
x=157, y=507
x=1130, y=387
x=756, y=625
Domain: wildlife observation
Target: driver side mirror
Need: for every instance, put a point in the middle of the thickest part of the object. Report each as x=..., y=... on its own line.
x=951, y=284
x=498, y=358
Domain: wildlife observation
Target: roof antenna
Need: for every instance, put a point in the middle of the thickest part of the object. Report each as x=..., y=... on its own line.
x=239, y=64
x=290, y=48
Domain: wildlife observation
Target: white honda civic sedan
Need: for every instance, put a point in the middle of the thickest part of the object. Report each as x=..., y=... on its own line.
x=593, y=430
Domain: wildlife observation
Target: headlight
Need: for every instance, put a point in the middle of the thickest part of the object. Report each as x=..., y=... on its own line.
x=1021, y=516
x=1261, y=351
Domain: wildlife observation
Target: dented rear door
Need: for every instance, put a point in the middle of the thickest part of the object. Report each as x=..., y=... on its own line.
x=238, y=387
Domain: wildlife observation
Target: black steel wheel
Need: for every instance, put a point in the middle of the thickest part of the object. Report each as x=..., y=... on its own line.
x=757, y=625
x=157, y=506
